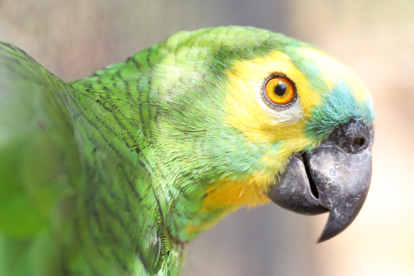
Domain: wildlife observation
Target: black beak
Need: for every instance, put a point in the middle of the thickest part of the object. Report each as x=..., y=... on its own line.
x=333, y=177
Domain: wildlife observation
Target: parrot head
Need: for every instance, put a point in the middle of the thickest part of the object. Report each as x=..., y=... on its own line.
x=247, y=116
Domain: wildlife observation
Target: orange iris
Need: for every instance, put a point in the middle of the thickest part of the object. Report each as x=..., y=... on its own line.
x=279, y=90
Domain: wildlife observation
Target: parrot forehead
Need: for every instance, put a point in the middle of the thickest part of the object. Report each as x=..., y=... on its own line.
x=344, y=96
x=324, y=71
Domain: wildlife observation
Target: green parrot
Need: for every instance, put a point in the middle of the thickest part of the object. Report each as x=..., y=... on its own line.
x=115, y=173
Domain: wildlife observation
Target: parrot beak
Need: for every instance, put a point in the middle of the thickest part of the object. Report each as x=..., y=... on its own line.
x=333, y=177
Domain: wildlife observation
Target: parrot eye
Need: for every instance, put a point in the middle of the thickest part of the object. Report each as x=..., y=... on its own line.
x=279, y=90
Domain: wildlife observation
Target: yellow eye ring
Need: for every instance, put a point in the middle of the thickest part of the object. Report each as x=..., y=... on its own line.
x=279, y=90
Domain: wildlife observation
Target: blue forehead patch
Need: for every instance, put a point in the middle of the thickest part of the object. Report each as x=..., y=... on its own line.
x=337, y=108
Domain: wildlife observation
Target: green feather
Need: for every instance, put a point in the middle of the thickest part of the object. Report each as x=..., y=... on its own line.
x=101, y=176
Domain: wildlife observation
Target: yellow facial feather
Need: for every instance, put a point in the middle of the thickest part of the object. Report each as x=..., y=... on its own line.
x=244, y=110
x=233, y=193
x=229, y=195
x=245, y=113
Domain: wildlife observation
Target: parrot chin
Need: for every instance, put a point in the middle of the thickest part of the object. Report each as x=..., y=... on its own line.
x=333, y=177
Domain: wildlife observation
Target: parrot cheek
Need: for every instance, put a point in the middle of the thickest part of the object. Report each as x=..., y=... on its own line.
x=333, y=177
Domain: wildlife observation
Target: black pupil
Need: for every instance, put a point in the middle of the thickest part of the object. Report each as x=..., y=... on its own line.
x=280, y=89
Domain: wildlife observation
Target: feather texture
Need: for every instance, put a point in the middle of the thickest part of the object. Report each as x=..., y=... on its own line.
x=113, y=174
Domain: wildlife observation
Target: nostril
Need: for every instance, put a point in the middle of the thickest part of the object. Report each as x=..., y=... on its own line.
x=359, y=142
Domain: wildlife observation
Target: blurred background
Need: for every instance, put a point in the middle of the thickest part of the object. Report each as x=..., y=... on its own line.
x=375, y=38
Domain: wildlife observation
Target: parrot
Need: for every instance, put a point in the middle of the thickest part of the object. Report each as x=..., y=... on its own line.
x=115, y=173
